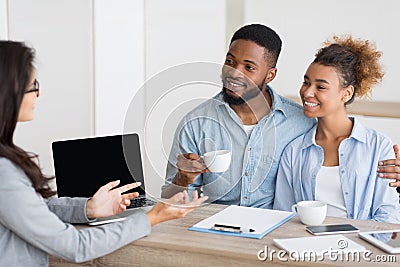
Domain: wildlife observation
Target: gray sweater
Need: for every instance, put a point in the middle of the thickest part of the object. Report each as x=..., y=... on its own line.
x=32, y=227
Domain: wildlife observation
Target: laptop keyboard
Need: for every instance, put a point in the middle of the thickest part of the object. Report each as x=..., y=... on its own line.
x=141, y=202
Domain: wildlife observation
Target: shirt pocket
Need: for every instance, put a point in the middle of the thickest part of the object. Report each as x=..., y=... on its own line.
x=268, y=170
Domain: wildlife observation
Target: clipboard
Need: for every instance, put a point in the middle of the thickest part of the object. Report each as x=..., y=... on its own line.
x=243, y=222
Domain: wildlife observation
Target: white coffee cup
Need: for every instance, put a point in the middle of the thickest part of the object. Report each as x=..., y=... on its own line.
x=310, y=212
x=218, y=160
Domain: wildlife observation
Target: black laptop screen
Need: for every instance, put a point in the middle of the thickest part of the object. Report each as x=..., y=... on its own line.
x=82, y=166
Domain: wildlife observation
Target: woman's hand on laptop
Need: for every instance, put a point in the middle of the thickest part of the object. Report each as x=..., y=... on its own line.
x=109, y=200
x=175, y=207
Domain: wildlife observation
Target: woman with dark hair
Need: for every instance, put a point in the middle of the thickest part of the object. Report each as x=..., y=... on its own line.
x=336, y=161
x=35, y=223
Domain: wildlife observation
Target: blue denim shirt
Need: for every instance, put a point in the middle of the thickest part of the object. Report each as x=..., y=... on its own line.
x=250, y=179
x=365, y=195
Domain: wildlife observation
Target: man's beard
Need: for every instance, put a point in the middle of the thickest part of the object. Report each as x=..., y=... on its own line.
x=240, y=100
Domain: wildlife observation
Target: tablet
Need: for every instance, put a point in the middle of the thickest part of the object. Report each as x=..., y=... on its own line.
x=387, y=240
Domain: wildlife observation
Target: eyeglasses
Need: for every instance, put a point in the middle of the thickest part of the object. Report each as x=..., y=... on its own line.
x=35, y=88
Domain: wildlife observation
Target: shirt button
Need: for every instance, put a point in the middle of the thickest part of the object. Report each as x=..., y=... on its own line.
x=341, y=154
x=342, y=171
x=245, y=198
x=246, y=173
x=249, y=149
x=346, y=193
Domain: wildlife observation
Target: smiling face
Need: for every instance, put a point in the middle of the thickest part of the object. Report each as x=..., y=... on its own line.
x=245, y=72
x=321, y=93
x=26, y=110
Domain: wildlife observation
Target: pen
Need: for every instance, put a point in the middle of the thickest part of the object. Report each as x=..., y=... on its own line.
x=232, y=228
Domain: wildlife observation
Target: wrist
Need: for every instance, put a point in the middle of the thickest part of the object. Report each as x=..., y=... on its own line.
x=153, y=218
x=89, y=209
x=179, y=180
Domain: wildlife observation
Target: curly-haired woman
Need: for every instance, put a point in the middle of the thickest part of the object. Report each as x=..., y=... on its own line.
x=336, y=161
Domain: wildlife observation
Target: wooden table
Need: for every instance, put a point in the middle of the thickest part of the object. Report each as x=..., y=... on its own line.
x=172, y=244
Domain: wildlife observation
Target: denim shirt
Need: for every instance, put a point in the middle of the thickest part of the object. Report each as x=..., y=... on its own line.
x=365, y=195
x=250, y=179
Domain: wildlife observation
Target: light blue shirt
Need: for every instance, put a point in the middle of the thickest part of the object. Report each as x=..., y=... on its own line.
x=365, y=195
x=250, y=179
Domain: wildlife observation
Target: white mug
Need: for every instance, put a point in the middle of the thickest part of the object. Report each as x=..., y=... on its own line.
x=310, y=212
x=218, y=160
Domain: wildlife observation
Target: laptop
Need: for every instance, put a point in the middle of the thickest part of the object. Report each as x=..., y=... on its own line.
x=82, y=166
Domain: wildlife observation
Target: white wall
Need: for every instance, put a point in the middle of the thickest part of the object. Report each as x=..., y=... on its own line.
x=3, y=19
x=119, y=62
x=389, y=126
x=61, y=33
x=304, y=25
x=234, y=18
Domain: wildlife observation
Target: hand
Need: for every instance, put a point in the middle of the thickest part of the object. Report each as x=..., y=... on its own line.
x=108, y=200
x=390, y=168
x=175, y=207
x=394, y=235
x=190, y=165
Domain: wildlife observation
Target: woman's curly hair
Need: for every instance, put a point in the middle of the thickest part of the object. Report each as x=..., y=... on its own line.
x=356, y=61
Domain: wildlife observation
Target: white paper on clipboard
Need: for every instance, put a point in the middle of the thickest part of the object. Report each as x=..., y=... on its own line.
x=262, y=221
